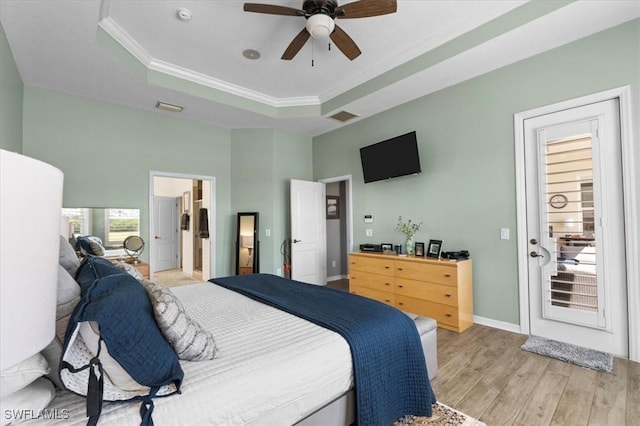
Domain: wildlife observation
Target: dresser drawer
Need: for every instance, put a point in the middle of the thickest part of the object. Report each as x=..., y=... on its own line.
x=441, y=274
x=378, y=295
x=444, y=314
x=373, y=281
x=438, y=293
x=371, y=264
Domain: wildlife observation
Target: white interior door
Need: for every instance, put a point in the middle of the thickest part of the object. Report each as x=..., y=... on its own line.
x=308, y=232
x=575, y=227
x=165, y=233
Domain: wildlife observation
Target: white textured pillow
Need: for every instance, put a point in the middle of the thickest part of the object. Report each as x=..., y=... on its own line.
x=190, y=341
x=20, y=375
x=68, y=257
x=27, y=402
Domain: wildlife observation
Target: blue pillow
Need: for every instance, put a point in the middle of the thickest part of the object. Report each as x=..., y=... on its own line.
x=92, y=268
x=89, y=245
x=121, y=307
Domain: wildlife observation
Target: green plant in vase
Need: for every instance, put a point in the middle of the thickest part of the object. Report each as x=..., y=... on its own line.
x=409, y=230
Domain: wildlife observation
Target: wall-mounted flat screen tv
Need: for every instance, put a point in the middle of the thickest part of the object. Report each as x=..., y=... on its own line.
x=390, y=158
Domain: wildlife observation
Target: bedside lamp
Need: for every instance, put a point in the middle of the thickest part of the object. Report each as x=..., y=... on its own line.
x=30, y=210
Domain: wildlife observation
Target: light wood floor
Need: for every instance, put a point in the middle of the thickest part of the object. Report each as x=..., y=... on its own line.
x=484, y=373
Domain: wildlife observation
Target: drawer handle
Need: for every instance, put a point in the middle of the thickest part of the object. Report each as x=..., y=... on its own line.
x=447, y=275
x=448, y=315
x=401, y=303
x=447, y=295
x=387, y=284
x=399, y=269
x=386, y=267
x=399, y=286
x=387, y=300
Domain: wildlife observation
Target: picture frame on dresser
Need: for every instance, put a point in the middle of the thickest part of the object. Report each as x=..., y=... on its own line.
x=386, y=247
x=434, y=248
x=418, y=249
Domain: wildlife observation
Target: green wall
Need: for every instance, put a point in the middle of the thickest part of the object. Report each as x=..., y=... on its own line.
x=106, y=152
x=263, y=162
x=11, y=92
x=466, y=191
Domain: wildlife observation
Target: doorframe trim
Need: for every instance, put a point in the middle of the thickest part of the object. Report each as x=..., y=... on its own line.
x=212, y=213
x=623, y=94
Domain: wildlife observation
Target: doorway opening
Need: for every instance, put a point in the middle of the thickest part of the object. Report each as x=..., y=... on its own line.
x=181, y=218
x=339, y=230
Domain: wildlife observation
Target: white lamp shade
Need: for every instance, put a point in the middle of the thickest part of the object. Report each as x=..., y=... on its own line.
x=30, y=207
x=247, y=241
x=320, y=26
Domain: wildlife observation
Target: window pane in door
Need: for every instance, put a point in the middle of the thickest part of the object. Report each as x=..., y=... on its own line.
x=570, y=220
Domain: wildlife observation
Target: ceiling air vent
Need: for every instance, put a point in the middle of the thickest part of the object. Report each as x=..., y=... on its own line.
x=343, y=116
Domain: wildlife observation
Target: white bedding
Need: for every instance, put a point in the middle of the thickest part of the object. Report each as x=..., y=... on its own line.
x=272, y=369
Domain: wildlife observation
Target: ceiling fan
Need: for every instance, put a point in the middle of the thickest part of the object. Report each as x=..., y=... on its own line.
x=320, y=16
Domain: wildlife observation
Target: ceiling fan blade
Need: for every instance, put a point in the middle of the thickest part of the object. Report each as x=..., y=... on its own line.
x=366, y=8
x=295, y=46
x=272, y=9
x=345, y=43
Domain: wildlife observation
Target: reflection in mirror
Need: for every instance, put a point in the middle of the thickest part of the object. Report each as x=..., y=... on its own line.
x=247, y=244
x=111, y=226
x=134, y=246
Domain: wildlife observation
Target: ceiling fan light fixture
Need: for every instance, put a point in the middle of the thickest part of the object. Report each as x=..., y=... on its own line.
x=320, y=26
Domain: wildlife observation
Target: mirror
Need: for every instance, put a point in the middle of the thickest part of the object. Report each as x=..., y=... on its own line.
x=133, y=246
x=110, y=225
x=247, y=244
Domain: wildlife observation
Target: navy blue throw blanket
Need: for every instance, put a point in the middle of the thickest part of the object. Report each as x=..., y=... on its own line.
x=389, y=368
x=121, y=307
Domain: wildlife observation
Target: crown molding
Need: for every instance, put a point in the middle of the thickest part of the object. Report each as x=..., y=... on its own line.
x=124, y=39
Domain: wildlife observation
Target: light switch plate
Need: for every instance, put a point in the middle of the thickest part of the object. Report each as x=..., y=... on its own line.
x=369, y=232
x=504, y=233
x=368, y=218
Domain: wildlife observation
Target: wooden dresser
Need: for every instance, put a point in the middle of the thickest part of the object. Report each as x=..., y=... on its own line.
x=440, y=289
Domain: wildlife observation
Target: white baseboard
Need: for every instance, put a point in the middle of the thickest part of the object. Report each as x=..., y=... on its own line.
x=506, y=326
x=337, y=277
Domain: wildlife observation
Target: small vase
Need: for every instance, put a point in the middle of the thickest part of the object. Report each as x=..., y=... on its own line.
x=409, y=246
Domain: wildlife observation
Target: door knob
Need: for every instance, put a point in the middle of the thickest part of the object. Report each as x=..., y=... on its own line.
x=296, y=241
x=533, y=241
x=156, y=237
x=535, y=254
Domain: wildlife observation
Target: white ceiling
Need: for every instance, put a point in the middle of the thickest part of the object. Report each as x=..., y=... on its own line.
x=138, y=52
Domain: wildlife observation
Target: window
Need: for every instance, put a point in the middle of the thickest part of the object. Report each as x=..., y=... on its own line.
x=79, y=219
x=121, y=223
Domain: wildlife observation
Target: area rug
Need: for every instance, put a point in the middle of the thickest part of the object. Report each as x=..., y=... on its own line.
x=583, y=357
x=442, y=416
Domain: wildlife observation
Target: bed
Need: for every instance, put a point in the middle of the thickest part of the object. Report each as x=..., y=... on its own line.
x=271, y=366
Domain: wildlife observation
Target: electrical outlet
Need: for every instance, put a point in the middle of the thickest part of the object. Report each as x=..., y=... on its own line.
x=278, y=271
x=369, y=232
x=267, y=232
x=333, y=263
